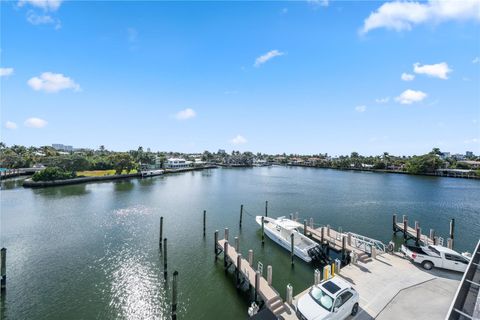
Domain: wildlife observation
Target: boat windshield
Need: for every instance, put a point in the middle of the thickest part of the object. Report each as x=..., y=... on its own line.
x=322, y=298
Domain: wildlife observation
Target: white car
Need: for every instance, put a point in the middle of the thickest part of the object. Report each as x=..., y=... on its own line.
x=436, y=256
x=332, y=299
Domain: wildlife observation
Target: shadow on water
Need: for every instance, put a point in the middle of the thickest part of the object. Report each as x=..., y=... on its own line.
x=14, y=183
x=126, y=185
x=62, y=191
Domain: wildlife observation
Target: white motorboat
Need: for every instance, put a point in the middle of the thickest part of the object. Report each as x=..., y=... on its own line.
x=151, y=173
x=280, y=231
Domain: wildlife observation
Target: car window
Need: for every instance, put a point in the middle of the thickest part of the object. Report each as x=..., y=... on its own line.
x=322, y=298
x=342, y=299
x=448, y=256
x=460, y=259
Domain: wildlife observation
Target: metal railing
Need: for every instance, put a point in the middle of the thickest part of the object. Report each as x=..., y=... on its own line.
x=365, y=243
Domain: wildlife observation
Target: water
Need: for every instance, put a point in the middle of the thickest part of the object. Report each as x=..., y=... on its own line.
x=90, y=251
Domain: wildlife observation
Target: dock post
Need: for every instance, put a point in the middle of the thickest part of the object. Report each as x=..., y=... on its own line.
x=225, y=254
x=405, y=227
x=226, y=234
x=291, y=216
x=241, y=214
x=3, y=271
x=266, y=208
x=250, y=257
x=419, y=234
x=449, y=243
x=269, y=275
x=322, y=234
x=394, y=223
x=374, y=253
x=257, y=284
x=349, y=239
x=204, y=221
x=216, y=244
x=165, y=258
x=161, y=234
x=311, y=223
x=296, y=216
x=344, y=248
x=333, y=269
x=239, y=267
x=174, y=295
x=452, y=227
x=237, y=244
x=417, y=225
x=292, y=240
x=263, y=231
x=326, y=272
x=305, y=227
x=316, y=277
x=328, y=230
x=432, y=234
x=289, y=296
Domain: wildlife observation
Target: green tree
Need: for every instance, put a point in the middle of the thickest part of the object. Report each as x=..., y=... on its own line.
x=122, y=161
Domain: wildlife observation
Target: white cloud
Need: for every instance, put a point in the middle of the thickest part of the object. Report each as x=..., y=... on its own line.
x=382, y=100
x=5, y=72
x=439, y=70
x=36, y=19
x=476, y=60
x=410, y=96
x=185, y=114
x=407, y=76
x=10, y=125
x=361, y=108
x=267, y=56
x=35, y=123
x=47, y=5
x=52, y=82
x=238, y=140
x=403, y=15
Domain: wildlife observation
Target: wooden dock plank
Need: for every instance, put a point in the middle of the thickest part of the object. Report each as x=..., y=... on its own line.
x=413, y=233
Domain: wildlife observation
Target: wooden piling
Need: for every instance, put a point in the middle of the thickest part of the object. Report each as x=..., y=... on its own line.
x=226, y=234
x=161, y=234
x=449, y=243
x=3, y=269
x=291, y=216
x=292, y=246
x=452, y=227
x=216, y=244
x=250, y=257
x=305, y=227
x=405, y=227
x=311, y=223
x=165, y=258
x=204, y=221
x=289, y=295
x=266, y=208
x=344, y=246
x=241, y=215
x=239, y=267
x=225, y=254
x=418, y=235
x=328, y=230
x=432, y=234
x=322, y=235
x=237, y=244
x=417, y=225
x=263, y=231
x=257, y=284
x=174, y=295
x=394, y=223
x=269, y=275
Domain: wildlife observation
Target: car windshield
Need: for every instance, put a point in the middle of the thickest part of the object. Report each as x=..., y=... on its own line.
x=322, y=298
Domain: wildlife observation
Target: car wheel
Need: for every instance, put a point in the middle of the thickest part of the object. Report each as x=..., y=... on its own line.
x=354, y=309
x=427, y=265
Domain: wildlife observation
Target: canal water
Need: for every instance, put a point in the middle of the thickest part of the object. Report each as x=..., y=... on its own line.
x=90, y=251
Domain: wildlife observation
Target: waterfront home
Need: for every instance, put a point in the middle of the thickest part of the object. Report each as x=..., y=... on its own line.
x=472, y=164
x=176, y=163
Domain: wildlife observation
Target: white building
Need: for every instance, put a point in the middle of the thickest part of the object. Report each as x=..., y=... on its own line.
x=61, y=147
x=176, y=163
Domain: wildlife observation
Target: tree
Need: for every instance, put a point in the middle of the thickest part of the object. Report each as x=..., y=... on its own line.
x=122, y=161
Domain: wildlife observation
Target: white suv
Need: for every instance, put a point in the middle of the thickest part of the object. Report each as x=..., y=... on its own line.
x=331, y=299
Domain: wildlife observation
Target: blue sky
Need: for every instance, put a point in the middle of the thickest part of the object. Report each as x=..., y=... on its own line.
x=294, y=77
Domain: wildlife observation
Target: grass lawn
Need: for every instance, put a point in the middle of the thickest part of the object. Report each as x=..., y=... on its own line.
x=100, y=173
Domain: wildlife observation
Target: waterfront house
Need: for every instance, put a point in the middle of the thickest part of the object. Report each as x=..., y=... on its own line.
x=176, y=163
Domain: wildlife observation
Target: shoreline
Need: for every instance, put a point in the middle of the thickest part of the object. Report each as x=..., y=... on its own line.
x=29, y=183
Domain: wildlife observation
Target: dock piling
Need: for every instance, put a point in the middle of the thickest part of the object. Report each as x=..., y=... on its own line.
x=216, y=244
x=225, y=254
x=237, y=244
x=374, y=252
x=165, y=258
x=266, y=208
x=418, y=235
x=3, y=269
x=263, y=231
x=257, y=284
x=226, y=234
x=449, y=243
x=239, y=267
x=322, y=234
x=452, y=227
x=241, y=215
x=344, y=247
x=305, y=227
x=292, y=242
x=316, y=277
x=161, y=234
x=328, y=230
x=289, y=296
x=417, y=225
x=174, y=295
x=405, y=227
x=394, y=223
x=291, y=216
x=311, y=223
x=204, y=221
x=269, y=275
x=432, y=234
x=250, y=257
x=349, y=239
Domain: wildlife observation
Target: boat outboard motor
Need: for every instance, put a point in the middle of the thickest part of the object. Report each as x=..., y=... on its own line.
x=318, y=255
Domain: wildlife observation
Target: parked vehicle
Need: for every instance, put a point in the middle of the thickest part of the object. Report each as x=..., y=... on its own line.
x=437, y=256
x=334, y=299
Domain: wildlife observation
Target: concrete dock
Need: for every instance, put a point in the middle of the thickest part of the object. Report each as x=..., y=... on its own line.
x=391, y=287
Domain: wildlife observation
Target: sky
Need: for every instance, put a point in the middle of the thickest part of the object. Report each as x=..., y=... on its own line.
x=302, y=77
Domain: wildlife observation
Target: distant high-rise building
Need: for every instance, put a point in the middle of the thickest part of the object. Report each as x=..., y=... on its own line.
x=62, y=147
x=469, y=154
x=221, y=151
